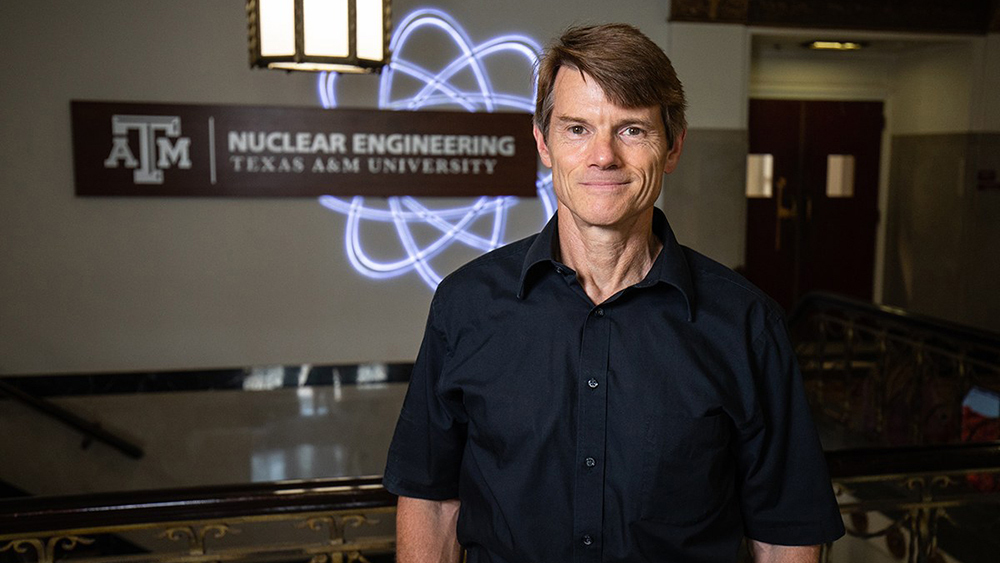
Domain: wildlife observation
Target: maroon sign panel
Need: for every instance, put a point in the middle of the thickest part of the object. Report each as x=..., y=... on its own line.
x=128, y=149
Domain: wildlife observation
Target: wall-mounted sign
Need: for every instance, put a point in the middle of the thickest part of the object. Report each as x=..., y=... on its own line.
x=130, y=149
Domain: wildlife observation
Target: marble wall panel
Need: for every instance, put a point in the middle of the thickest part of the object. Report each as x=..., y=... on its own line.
x=943, y=234
x=704, y=197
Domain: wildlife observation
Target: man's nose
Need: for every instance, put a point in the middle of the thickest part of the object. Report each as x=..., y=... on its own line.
x=604, y=150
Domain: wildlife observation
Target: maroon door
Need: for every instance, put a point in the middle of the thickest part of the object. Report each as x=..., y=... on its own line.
x=810, y=234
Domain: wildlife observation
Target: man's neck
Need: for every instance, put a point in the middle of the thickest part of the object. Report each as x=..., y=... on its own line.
x=608, y=259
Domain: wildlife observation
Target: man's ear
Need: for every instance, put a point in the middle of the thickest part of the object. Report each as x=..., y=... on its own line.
x=543, y=149
x=674, y=154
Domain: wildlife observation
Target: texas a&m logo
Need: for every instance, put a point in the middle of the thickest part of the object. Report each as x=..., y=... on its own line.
x=160, y=146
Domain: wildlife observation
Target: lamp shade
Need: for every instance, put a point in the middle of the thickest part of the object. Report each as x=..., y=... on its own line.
x=319, y=35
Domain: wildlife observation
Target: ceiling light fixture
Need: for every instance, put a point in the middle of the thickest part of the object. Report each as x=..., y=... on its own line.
x=834, y=45
x=319, y=35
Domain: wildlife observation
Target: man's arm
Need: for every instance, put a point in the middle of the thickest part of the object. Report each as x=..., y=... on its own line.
x=425, y=531
x=768, y=553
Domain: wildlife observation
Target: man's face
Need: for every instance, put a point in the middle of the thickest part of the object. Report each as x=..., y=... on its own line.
x=607, y=161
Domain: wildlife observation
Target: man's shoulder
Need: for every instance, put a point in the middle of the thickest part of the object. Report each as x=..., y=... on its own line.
x=718, y=286
x=497, y=268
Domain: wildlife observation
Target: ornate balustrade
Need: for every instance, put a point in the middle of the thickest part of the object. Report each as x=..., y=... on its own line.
x=316, y=521
x=890, y=376
x=918, y=504
x=881, y=376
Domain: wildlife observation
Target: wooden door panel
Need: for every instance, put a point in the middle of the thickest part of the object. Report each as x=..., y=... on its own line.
x=830, y=243
x=770, y=257
x=839, y=238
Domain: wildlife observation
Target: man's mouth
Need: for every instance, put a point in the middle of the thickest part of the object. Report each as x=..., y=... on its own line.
x=605, y=183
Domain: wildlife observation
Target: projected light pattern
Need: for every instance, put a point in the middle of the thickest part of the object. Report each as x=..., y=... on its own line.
x=452, y=224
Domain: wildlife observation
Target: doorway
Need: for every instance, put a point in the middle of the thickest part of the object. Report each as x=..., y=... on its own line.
x=812, y=197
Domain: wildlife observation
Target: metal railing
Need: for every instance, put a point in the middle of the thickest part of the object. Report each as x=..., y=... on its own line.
x=912, y=481
x=918, y=504
x=921, y=496
x=902, y=497
x=890, y=376
x=318, y=521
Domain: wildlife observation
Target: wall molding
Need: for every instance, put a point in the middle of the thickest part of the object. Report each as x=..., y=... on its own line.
x=969, y=17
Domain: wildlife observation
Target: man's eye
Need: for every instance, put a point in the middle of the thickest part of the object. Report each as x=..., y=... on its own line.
x=633, y=131
x=576, y=129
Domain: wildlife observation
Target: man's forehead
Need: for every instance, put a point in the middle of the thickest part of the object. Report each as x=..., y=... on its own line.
x=570, y=77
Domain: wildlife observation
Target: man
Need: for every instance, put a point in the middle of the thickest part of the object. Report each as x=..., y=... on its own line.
x=598, y=392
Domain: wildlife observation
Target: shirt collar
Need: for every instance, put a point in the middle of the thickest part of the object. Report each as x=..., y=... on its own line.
x=670, y=266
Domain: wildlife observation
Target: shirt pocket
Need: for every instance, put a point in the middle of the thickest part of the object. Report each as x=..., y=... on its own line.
x=687, y=471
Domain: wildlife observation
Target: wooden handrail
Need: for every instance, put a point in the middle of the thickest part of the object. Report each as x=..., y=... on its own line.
x=317, y=495
x=907, y=460
x=895, y=315
x=197, y=503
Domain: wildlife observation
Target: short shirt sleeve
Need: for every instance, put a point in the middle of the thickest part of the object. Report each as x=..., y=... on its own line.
x=786, y=494
x=426, y=450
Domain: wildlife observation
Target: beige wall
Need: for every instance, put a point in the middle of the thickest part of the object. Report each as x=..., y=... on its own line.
x=109, y=284
x=988, y=108
x=933, y=89
x=712, y=61
x=703, y=198
x=943, y=234
x=799, y=74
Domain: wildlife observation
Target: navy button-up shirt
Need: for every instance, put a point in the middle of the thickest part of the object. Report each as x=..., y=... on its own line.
x=660, y=425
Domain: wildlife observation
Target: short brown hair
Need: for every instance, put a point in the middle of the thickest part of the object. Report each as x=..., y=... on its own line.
x=632, y=70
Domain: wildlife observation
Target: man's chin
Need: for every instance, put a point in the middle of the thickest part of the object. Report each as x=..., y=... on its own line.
x=604, y=218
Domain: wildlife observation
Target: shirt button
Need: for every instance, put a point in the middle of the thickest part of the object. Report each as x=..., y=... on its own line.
x=559, y=270
x=599, y=312
x=592, y=383
x=590, y=462
x=587, y=540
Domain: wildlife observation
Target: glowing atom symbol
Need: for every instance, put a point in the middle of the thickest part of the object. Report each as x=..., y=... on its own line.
x=436, y=89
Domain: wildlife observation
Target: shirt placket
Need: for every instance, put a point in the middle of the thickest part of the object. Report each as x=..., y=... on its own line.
x=591, y=433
